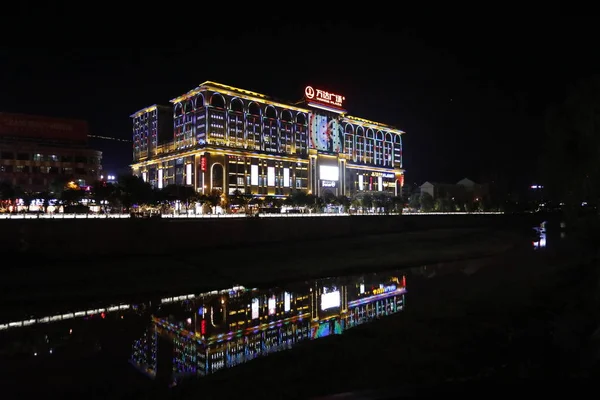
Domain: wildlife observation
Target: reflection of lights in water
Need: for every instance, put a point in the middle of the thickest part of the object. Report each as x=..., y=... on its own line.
x=541, y=230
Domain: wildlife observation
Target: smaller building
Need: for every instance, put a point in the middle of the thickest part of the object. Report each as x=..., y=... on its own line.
x=463, y=190
x=151, y=126
x=36, y=151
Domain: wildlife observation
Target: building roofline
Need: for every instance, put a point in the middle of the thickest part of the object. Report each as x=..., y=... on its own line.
x=149, y=109
x=373, y=124
x=233, y=91
x=255, y=96
x=144, y=110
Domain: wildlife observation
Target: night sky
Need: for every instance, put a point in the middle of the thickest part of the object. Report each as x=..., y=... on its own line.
x=469, y=95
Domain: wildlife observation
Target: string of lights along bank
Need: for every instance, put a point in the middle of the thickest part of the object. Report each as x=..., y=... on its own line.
x=109, y=138
x=218, y=137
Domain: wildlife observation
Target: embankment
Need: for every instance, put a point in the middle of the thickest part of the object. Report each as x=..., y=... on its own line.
x=82, y=237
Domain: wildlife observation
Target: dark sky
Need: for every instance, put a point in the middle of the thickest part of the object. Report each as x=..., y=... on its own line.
x=470, y=95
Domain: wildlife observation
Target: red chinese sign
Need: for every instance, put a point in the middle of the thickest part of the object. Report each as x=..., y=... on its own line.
x=33, y=126
x=203, y=163
x=323, y=97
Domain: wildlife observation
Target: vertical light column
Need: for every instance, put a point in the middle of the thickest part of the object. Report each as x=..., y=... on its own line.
x=188, y=174
x=313, y=186
x=342, y=179
x=286, y=177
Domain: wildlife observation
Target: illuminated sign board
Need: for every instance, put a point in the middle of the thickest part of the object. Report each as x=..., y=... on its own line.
x=254, y=308
x=330, y=184
x=271, y=303
x=385, y=289
x=329, y=172
x=323, y=97
x=203, y=163
x=383, y=174
x=330, y=300
x=287, y=299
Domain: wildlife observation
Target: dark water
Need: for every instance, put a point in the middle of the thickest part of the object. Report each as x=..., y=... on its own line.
x=192, y=335
x=162, y=341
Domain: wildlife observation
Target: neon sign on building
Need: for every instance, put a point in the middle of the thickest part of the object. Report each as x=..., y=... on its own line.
x=323, y=97
x=385, y=289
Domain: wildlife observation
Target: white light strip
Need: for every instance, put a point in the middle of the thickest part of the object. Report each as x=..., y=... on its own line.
x=326, y=108
x=225, y=216
x=62, y=317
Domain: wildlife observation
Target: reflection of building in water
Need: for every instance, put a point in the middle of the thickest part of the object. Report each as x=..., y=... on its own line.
x=541, y=231
x=223, y=330
x=144, y=352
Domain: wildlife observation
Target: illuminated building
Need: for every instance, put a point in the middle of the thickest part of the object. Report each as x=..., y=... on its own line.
x=228, y=139
x=35, y=151
x=227, y=328
x=151, y=126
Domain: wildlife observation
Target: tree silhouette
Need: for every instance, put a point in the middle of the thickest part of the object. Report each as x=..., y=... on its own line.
x=102, y=193
x=7, y=191
x=240, y=199
x=572, y=147
x=426, y=202
x=133, y=190
x=415, y=200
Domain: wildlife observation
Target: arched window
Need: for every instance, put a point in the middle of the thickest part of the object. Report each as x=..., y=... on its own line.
x=236, y=105
x=236, y=123
x=286, y=131
x=199, y=101
x=270, y=139
x=253, y=109
x=378, y=150
x=254, y=126
x=188, y=106
x=270, y=112
x=286, y=115
x=301, y=134
x=217, y=100
x=388, y=152
x=216, y=177
x=360, y=144
x=349, y=141
x=369, y=146
x=178, y=110
x=397, y=151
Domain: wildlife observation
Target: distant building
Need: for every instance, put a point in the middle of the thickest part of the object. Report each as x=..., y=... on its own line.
x=36, y=150
x=151, y=126
x=464, y=190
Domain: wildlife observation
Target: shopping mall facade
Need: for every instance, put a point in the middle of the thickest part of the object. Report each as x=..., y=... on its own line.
x=217, y=137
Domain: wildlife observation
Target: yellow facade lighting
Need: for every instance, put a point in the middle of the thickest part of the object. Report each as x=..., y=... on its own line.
x=235, y=92
x=219, y=151
x=143, y=111
x=372, y=124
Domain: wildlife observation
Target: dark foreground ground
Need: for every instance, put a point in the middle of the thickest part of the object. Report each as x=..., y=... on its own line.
x=504, y=323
